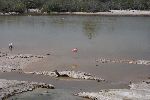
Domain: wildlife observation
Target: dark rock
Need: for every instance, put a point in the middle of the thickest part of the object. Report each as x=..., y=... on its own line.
x=57, y=73
x=147, y=82
x=39, y=57
x=98, y=80
x=64, y=75
x=48, y=54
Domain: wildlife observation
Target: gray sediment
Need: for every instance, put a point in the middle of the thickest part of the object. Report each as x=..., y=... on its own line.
x=124, y=61
x=11, y=87
x=16, y=62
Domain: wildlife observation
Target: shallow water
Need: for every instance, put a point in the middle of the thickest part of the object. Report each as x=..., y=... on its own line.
x=45, y=94
x=94, y=36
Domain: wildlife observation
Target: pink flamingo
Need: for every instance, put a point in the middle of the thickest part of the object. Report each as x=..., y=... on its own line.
x=75, y=50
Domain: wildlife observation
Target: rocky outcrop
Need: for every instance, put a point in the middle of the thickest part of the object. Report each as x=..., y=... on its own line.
x=11, y=87
x=138, y=91
x=16, y=62
x=71, y=74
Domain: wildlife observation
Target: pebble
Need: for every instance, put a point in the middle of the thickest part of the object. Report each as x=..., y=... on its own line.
x=48, y=54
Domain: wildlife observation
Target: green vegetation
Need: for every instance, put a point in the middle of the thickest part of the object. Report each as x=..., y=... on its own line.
x=22, y=6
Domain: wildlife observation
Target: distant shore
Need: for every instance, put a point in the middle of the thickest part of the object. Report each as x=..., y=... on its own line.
x=109, y=13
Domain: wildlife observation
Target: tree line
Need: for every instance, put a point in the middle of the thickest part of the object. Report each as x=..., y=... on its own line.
x=22, y=6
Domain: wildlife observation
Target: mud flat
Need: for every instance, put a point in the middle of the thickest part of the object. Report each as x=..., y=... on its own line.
x=123, y=61
x=137, y=91
x=11, y=87
x=16, y=62
x=70, y=74
x=12, y=64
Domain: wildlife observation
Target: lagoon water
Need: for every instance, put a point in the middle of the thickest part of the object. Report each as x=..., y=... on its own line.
x=94, y=36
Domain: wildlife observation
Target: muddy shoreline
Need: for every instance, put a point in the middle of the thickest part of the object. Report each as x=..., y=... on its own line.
x=24, y=67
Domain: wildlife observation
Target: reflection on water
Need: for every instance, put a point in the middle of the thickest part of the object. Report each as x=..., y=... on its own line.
x=89, y=28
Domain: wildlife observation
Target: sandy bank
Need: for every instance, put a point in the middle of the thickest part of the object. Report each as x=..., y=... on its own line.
x=138, y=91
